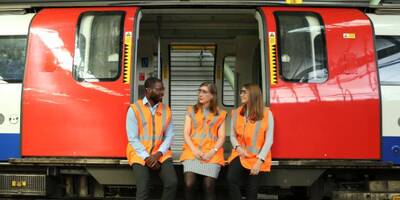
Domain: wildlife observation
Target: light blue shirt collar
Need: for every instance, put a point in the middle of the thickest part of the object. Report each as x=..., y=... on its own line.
x=147, y=103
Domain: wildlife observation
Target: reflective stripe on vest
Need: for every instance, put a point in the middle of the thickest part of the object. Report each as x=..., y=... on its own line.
x=163, y=118
x=253, y=147
x=203, y=139
x=151, y=129
x=146, y=136
x=203, y=135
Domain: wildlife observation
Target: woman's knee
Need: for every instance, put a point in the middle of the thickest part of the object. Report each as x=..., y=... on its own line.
x=190, y=181
x=209, y=184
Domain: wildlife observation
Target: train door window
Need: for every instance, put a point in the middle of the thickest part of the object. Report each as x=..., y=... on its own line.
x=98, y=46
x=388, y=50
x=229, y=84
x=302, y=49
x=12, y=58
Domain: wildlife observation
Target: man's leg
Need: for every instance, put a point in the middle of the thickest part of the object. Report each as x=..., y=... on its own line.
x=142, y=176
x=169, y=179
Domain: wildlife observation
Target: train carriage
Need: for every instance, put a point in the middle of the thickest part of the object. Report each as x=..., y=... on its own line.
x=329, y=72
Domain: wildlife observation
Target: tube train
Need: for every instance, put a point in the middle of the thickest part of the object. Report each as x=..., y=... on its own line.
x=331, y=75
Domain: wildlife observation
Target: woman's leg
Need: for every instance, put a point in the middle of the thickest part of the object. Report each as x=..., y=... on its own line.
x=190, y=181
x=234, y=175
x=253, y=181
x=209, y=188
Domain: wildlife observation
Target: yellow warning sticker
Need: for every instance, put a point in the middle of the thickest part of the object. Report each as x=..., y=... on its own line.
x=294, y=1
x=272, y=58
x=165, y=72
x=349, y=35
x=218, y=72
x=127, y=57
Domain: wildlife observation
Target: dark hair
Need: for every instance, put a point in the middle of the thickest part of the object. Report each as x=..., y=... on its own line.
x=213, y=107
x=255, y=102
x=151, y=81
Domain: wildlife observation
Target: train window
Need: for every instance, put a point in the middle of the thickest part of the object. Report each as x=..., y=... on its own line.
x=12, y=58
x=388, y=50
x=302, y=47
x=98, y=47
x=228, y=88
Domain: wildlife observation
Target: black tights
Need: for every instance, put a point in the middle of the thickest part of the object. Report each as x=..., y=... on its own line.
x=208, y=186
x=237, y=175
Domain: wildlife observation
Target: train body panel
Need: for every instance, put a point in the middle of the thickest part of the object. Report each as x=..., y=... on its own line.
x=12, y=47
x=68, y=117
x=387, y=31
x=86, y=118
x=338, y=115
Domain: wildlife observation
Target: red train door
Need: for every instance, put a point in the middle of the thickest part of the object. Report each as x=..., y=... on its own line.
x=324, y=89
x=77, y=82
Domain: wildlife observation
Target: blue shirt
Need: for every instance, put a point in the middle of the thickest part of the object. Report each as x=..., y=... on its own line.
x=133, y=136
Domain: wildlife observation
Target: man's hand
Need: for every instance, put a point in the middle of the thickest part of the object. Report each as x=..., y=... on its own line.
x=152, y=161
x=157, y=166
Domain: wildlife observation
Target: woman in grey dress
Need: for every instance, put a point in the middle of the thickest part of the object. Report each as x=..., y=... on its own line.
x=204, y=133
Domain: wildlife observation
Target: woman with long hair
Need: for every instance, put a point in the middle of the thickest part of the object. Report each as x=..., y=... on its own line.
x=204, y=134
x=251, y=137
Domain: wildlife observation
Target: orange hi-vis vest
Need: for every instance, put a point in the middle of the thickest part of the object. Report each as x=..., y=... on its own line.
x=204, y=135
x=251, y=137
x=151, y=131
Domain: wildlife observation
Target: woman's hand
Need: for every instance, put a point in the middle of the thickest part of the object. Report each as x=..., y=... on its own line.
x=198, y=154
x=207, y=156
x=256, y=168
x=242, y=152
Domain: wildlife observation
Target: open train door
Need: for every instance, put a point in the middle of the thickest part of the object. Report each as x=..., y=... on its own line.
x=324, y=90
x=77, y=79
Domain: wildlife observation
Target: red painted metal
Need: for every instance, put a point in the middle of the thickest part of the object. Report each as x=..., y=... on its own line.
x=337, y=119
x=63, y=117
